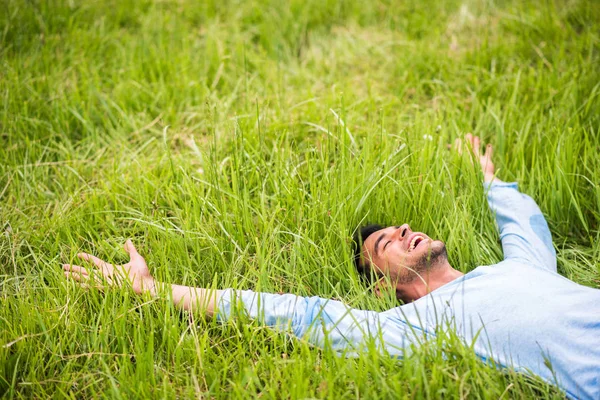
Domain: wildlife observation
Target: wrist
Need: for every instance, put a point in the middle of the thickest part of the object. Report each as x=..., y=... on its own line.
x=151, y=286
x=489, y=177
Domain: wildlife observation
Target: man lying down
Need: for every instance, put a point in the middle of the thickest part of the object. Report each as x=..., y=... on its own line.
x=520, y=312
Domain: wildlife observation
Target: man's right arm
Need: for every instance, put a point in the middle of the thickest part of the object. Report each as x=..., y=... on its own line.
x=322, y=322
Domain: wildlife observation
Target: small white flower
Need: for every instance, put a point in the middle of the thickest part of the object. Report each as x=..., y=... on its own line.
x=428, y=137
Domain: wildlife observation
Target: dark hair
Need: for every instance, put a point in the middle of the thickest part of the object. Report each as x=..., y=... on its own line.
x=362, y=266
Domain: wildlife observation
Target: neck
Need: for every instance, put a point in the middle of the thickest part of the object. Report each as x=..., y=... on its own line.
x=427, y=282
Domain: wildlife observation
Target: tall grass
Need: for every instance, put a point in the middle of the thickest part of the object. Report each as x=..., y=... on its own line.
x=240, y=144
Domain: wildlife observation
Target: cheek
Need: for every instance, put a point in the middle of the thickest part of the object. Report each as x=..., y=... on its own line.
x=379, y=263
x=378, y=269
x=394, y=257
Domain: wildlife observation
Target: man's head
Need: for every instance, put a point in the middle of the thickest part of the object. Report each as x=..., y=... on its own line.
x=404, y=257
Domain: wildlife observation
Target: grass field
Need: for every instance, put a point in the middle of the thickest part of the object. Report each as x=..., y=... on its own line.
x=240, y=144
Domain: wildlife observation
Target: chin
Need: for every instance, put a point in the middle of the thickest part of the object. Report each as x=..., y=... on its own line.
x=437, y=244
x=435, y=253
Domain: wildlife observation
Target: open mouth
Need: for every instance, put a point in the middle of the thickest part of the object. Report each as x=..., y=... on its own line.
x=416, y=240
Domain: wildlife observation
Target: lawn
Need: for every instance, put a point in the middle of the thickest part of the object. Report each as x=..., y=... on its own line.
x=240, y=144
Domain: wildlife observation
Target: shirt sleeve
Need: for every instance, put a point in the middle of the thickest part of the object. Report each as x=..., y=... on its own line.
x=321, y=322
x=523, y=229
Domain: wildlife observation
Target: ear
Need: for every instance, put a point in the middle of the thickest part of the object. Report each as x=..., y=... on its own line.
x=384, y=289
x=381, y=287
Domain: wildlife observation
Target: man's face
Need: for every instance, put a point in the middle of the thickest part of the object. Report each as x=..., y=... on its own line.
x=402, y=254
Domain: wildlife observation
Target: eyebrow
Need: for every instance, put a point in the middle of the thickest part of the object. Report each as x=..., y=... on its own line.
x=377, y=242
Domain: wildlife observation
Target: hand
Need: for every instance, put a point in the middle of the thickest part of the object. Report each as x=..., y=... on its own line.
x=135, y=272
x=485, y=160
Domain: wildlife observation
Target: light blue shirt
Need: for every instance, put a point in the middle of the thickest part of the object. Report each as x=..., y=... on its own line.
x=520, y=312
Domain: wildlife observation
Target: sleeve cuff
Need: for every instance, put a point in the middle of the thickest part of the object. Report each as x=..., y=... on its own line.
x=500, y=184
x=224, y=305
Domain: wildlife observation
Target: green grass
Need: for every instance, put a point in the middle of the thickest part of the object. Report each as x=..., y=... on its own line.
x=240, y=143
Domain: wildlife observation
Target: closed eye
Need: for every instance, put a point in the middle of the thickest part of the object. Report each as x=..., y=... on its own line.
x=385, y=245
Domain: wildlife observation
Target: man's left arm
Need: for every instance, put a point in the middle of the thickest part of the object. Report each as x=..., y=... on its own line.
x=523, y=229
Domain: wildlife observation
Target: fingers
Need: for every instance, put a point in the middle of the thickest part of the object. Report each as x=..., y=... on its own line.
x=130, y=248
x=82, y=280
x=76, y=276
x=486, y=160
x=75, y=269
x=476, y=145
x=86, y=279
x=474, y=142
x=489, y=151
x=76, y=273
x=93, y=259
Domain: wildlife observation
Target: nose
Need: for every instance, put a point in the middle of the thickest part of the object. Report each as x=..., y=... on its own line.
x=403, y=231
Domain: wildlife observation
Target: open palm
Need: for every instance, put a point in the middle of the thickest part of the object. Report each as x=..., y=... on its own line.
x=134, y=273
x=485, y=159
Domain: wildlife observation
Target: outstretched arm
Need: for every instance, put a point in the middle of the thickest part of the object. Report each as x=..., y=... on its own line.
x=320, y=321
x=524, y=232
x=523, y=229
